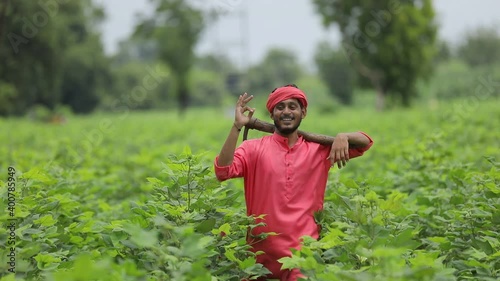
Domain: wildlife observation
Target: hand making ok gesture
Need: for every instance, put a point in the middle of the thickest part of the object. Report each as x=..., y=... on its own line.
x=240, y=119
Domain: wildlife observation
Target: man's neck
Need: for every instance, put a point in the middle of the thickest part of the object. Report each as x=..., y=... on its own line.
x=292, y=137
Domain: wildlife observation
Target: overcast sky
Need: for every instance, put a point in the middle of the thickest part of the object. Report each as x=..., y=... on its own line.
x=253, y=26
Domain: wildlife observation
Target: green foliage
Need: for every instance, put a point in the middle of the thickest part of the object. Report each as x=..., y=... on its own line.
x=138, y=204
x=8, y=94
x=51, y=55
x=481, y=47
x=279, y=67
x=215, y=63
x=389, y=42
x=444, y=52
x=208, y=88
x=222, y=70
x=86, y=75
x=455, y=79
x=139, y=85
x=135, y=49
x=318, y=94
x=336, y=72
x=40, y=113
x=175, y=27
x=185, y=228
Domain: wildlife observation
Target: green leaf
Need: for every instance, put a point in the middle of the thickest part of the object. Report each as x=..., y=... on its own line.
x=332, y=238
x=229, y=253
x=195, y=245
x=37, y=175
x=225, y=228
x=405, y=239
x=371, y=196
x=477, y=254
x=248, y=262
x=476, y=263
x=76, y=240
x=155, y=181
x=483, y=245
x=47, y=261
x=46, y=220
x=493, y=187
x=206, y=225
x=438, y=240
x=291, y=262
x=350, y=183
x=187, y=150
x=141, y=237
x=9, y=277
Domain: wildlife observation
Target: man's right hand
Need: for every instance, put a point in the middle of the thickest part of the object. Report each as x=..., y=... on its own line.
x=240, y=119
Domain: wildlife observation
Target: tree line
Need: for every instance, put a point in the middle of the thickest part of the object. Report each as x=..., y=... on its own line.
x=53, y=56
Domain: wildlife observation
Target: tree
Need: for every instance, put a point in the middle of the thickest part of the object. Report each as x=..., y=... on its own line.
x=216, y=76
x=279, y=67
x=135, y=49
x=40, y=39
x=390, y=42
x=176, y=28
x=86, y=70
x=481, y=47
x=86, y=76
x=335, y=71
x=29, y=54
x=444, y=52
x=138, y=85
x=220, y=67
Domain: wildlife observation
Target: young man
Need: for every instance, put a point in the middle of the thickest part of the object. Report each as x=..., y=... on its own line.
x=285, y=176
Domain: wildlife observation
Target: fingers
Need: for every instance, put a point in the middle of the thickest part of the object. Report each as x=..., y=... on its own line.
x=251, y=111
x=340, y=163
x=241, y=101
x=244, y=99
x=339, y=157
x=247, y=98
x=241, y=118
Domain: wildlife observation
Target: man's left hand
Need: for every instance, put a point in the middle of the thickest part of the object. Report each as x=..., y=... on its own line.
x=340, y=151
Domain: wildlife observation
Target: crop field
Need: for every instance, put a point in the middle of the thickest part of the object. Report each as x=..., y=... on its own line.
x=133, y=196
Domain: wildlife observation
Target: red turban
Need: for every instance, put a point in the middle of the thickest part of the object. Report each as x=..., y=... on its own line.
x=284, y=93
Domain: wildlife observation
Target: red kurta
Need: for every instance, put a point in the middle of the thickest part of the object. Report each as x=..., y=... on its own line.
x=287, y=185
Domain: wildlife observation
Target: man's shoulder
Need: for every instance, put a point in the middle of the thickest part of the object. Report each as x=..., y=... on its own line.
x=308, y=142
x=317, y=147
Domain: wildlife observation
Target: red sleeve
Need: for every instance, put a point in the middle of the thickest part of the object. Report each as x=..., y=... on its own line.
x=236, y=169
x=356, y=152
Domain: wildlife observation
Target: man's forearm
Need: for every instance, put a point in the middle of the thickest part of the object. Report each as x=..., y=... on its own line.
x=356, y=139
x=226, y=154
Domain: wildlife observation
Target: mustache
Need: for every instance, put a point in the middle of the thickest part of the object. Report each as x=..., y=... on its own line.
x=287, y=116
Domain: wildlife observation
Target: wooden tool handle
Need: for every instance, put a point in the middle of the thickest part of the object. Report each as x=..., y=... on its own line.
x=262, y=126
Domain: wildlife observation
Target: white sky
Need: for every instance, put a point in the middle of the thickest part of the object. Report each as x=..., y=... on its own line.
x=291, y=24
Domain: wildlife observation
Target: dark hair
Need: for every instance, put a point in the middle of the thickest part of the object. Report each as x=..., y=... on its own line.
x=287, y=85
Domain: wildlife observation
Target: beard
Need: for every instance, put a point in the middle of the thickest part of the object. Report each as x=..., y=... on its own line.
x=286, y=131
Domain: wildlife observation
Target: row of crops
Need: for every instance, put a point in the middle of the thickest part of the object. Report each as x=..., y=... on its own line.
x=133, y=197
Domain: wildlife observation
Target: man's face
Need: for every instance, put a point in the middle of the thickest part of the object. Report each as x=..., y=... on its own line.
x=287, y=116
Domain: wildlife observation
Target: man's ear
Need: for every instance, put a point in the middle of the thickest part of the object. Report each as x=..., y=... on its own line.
x=304, y=112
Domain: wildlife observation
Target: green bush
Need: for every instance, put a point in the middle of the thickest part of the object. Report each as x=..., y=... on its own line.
x=456, y=80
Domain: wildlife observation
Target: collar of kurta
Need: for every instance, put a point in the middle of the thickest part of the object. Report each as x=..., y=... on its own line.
x=283, y=141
